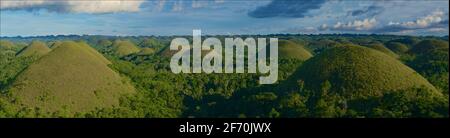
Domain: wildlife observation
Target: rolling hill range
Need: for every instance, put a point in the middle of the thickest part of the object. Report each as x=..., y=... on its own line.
x=286, y=49
x=73, y=78
x=348, y=76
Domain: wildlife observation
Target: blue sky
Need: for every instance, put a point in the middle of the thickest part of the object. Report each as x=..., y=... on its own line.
x=180, y=17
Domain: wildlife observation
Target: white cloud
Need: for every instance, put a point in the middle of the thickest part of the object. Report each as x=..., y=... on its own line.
x=160, y=5
x=177, y=6
x=435, y=17
x=20, y=4
x=199, y=3
x=434, y=22
x=74, y=6
x=357, y=25
x=437, y=29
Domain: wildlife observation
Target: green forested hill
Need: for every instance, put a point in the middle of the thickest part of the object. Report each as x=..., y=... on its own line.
x=358, y=81
x=357, y=71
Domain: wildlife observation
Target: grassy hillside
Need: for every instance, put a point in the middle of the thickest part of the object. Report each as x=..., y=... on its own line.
x=289, y=49
x=355, y=81
x=380, y=47
x=104, y=43
x=93, y=52
x=397, y=47
x=55, y=44
x=355, y=71
x=146, y=51
x=124, y=48
x=6, y=45
x=150, y=42
x=72, y=78
x=35, y=48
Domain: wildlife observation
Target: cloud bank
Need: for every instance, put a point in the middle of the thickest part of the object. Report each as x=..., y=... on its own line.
x=433, y=22
x=73, y=6
x=357, y=25
x=435, y=17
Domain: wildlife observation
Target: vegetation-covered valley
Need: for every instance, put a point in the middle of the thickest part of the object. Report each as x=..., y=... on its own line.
x=320, y=76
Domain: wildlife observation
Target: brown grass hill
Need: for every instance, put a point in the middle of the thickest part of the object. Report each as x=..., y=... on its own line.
x=289, y=49
x=36, y=48
x=123, y=48
x=380, y=47
x=357, y=72
x=72, y=78
x=93, y=52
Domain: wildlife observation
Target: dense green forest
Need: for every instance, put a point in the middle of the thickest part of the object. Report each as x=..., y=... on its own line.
x=350, y=76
